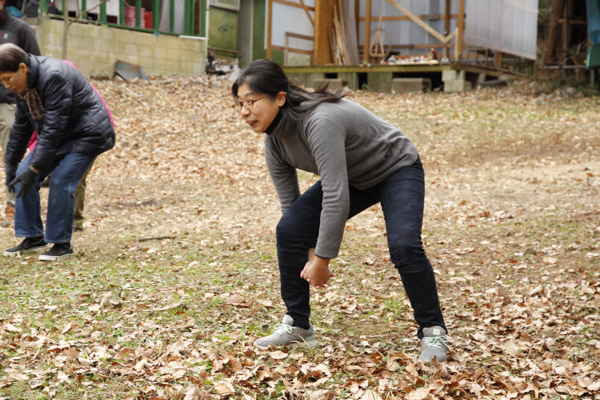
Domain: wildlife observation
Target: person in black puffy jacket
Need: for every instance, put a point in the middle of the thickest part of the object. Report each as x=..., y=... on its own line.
x=16, y=31
x=73, y=126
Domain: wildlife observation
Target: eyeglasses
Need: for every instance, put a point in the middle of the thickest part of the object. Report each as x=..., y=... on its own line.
x=247, y=104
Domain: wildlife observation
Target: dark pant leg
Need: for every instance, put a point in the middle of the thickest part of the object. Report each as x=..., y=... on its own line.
x=402, y=199
x=297, y=232
x=61, y=196
x=28, y=212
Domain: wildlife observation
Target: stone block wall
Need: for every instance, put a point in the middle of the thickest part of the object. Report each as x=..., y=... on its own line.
x=95, y=49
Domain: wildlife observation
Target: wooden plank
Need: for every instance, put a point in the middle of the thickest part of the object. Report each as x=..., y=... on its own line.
x=269, y=29
x=424, y=17
x=346, y=21
x=461, y=30
x=418, y=21
x=367, y=31
x=422, y=46
x=285, y=52
x=323, y=21
x=573, y=21
x=447, y=17
x=498, y=59
x=312, y=21
x=292, y=50
x=299, y=36
x=292, y=4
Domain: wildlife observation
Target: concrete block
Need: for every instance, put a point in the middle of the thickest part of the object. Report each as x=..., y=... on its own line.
x=481, y=78
x=146, y=51
x=457, y=86
x=160, y=64
x=452, y=74
x=131, y=48
x=188, y=55
x=173, y=65
x=186, y=67
x=411, y=85
x=146, y=39
x=380, y=82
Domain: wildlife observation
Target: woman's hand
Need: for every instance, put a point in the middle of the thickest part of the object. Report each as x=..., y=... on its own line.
x=316, y=271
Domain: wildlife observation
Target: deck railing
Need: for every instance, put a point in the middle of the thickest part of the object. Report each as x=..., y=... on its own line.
x=138, y=23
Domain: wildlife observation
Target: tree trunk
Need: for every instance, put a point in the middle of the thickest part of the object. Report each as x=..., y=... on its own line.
x=554, y=42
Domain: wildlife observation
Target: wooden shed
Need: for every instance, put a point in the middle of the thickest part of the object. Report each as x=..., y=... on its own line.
x=353, y=39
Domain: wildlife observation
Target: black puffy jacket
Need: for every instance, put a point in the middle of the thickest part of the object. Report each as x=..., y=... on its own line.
x=75, y=120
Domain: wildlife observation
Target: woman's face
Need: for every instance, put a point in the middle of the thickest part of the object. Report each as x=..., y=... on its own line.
x=258, y=110
x=15, y=81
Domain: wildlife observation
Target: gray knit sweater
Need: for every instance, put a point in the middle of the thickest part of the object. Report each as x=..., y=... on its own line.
x=345, y=144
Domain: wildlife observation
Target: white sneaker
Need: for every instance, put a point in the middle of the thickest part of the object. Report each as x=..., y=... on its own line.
x=286, y=334
x=434, y=344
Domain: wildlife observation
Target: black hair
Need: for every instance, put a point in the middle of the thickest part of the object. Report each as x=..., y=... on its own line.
x=11, y=56
x=266, y=77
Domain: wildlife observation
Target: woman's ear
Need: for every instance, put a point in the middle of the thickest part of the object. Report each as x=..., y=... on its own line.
x=23, y=68
x=281, y=97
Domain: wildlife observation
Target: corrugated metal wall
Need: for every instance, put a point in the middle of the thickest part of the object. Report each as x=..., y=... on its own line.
x=294, y=20
x=509, y=26
x=407, y=32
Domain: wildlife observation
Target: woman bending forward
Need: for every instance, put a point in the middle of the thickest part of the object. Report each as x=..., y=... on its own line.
x=362, y=160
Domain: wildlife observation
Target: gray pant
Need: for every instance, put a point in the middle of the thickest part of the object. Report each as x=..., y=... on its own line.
x=7, y=118
x=79, y=200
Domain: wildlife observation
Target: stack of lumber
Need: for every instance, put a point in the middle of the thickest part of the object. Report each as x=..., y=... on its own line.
x=340, y=36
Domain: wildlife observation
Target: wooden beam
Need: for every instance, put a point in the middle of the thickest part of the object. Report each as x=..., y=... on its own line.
x=447, y=17
x=292, y=4
x=447, y=23
x=422, y=46
x=269, y=29
x=498, y=59
x=323, y=21
x=299, y=36
x=418, y=21
x=346, y=27
x=312, y=21
x=424, y=17
x=367, y=43
x=573, y=22
x=461, y=30
x=292, y=50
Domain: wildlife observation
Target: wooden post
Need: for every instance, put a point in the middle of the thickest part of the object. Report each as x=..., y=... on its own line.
x=269, y=29
x=461, y=30
x=498, y=59
x=447, y=18
x=323, y=22
x=367, y=31
x=447, y=24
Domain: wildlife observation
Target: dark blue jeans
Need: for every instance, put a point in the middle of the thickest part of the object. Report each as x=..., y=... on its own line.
x=402, y=200
x=68, y=170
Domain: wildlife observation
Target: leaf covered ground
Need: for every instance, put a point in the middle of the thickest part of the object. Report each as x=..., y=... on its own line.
x=175, y=274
